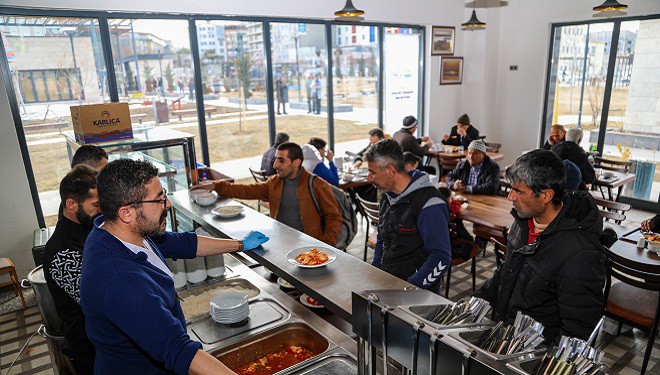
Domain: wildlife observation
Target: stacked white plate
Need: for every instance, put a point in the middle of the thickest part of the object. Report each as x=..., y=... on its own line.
x=230, y=307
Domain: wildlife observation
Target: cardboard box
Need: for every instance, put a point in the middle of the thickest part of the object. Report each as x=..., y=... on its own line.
x=101, y=122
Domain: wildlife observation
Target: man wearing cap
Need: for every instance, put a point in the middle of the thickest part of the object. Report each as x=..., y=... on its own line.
x=462, y=133
x=476, y=175
x=406, y=139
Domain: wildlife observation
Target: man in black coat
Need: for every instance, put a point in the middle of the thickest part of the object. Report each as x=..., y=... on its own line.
x=462, y=133
x=556, y=136
x=476, y=175
x=555, y=267
x=419, y=146
x=63, y=262
x=570, y=150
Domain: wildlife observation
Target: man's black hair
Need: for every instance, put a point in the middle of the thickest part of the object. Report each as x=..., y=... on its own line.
x=77, y=183
x=317, y=142
x=409, y=158
x=539, y=170
x=386, y=152
x=293, y=150
x=122, y=182
x=281, y=138
x=89, y=155
x=377, y=132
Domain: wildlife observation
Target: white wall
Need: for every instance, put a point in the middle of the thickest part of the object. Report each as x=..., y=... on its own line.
x=17, y=216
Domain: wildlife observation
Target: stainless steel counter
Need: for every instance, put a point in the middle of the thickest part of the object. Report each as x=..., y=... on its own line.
x=330, y=285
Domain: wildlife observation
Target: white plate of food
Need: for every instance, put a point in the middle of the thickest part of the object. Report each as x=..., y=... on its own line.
x=310, y=302
x=311, y=256
x=227, y=212
x=285, y=284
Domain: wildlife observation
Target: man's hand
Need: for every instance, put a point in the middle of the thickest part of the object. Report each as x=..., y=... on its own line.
x=550, y=141
x=445, y=138
x=461, y=131
x=330, y=155
x=459, y=186
x=206, y=185
x=648, y=225
x=427, y=140
x=357, y=163
x=253, y=240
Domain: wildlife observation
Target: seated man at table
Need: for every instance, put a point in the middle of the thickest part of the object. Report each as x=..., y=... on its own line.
x=570, y=150
x=375, y=135
x=408, y=142
x=462, y=133
x=413, y=230
x=555, y=266
x=289, y=196
x=63, y=262
x=269, y=156
x=314, y=154
x=132, y=313
x=478, y=174
x=652, y=224
x=556, y=136
x=411, y=161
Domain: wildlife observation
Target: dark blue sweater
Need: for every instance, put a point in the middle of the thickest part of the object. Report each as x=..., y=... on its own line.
x=330, y=174
x=132, y=313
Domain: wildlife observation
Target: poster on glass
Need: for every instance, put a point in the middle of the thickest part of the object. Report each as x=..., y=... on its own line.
x=451, y=70
x=443, y=40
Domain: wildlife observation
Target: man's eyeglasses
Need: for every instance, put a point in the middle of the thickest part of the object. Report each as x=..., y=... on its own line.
x=161, y=200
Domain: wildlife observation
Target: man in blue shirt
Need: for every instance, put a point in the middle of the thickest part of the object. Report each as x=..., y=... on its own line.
x=132, y=313
x=413, y=230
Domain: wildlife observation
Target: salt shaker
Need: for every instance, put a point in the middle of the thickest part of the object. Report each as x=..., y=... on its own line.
x=641, y=243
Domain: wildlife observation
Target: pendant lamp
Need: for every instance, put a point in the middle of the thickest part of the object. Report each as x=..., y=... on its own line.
x=610, y=5
x=349, y=10
x=473, y=22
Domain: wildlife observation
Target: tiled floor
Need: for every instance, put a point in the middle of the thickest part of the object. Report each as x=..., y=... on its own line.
x=624, y=354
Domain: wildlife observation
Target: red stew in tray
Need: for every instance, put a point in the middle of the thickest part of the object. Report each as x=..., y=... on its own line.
x=275, y=362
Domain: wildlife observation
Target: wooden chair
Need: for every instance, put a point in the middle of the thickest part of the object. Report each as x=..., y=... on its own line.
x=7, y=267
x=613, y=207
x=449, y=164
x=260, y=176
x=370, y=209
x=484, y=233
x=499, y=248
x=455, y=241
x=611, y=164
x=505, y=186
x=634, y=299
x=493, y=147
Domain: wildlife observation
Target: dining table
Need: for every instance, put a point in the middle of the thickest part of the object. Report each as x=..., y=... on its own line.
x=493, y=211
x=449, y=154
x=611, y=180
x=641, y=258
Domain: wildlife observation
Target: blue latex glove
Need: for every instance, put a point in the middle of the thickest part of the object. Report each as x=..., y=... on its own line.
x=253, y=240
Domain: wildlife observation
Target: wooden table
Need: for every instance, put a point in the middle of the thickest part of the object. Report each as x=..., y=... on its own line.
x=490, y=210
x=622, y=179
x=350, y=185
x=643, y=259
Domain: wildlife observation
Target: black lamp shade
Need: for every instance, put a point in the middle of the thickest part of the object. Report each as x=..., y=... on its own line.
x=349, y=10
x=610, y=5
x=473, y=21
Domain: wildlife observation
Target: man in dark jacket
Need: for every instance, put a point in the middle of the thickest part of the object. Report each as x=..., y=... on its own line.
x=419, y=146
x=413, y=230
x=570, y=150
x=556, y=136
x=269, y=156
x=462, y=133
x=555, y=268
x=375, y=135
x=476, y=175
x=63, y=261
x=652, y=224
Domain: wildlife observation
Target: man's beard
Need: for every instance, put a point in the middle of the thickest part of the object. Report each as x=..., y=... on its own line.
x=83, y=218
x=150, y=229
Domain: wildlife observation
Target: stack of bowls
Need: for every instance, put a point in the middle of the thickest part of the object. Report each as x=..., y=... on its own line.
x=230, y=307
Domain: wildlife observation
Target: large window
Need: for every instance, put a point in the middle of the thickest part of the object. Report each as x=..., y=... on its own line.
x=54, y=63
x=153, y=66
x=300, y=71
x=56, y=59
x=234, y=79
x=615, y=104
x=355, y=80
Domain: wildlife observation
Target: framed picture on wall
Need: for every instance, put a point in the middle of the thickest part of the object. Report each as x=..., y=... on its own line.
x=451, y=70
x=442, y=40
